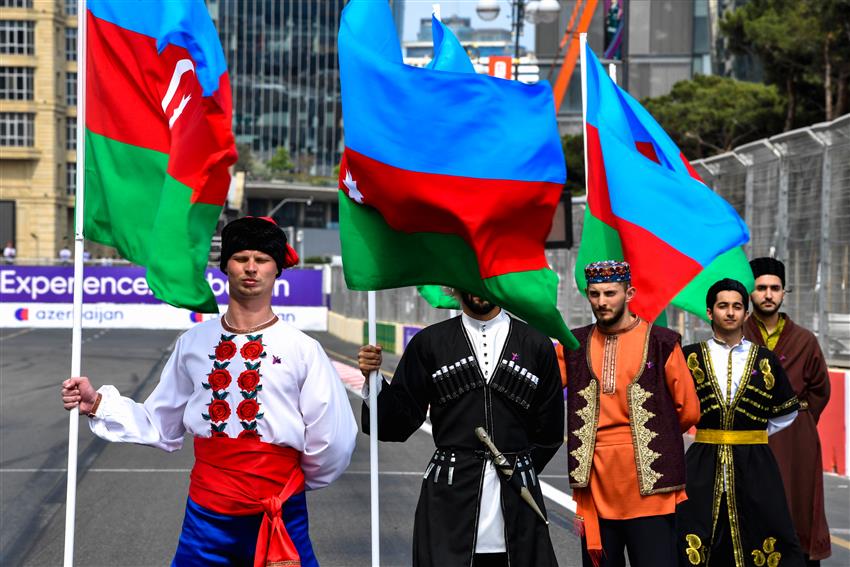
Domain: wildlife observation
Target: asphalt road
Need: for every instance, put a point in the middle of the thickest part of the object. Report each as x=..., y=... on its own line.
x=130, y=499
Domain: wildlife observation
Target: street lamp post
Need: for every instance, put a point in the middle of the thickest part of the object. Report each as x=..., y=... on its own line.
x=533, y=11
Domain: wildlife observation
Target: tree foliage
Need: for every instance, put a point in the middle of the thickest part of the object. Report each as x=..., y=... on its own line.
x=281, y=162
x=710, y=114
x=804, y=47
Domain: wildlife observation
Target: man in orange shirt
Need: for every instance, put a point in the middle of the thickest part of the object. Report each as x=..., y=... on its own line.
x=630, y=397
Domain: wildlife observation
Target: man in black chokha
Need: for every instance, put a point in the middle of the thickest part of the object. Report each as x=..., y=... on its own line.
x=736, y=514
x=481, y=369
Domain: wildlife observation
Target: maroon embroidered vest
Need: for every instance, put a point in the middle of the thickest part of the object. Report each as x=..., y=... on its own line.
x=657, y=439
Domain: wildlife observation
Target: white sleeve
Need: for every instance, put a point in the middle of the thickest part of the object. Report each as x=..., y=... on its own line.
x=158, y=421
x=777, y=424
x=329, y=426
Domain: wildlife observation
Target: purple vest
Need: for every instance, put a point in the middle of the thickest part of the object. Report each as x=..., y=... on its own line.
x=656, y=434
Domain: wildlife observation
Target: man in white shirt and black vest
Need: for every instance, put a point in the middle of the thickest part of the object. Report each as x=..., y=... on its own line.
x=736, y=514
x=481, y=369
x=268, y=413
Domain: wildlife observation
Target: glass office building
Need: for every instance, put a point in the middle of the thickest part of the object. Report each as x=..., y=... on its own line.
x=282, y=60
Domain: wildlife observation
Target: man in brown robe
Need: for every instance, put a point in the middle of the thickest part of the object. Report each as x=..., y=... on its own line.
x=797, y=448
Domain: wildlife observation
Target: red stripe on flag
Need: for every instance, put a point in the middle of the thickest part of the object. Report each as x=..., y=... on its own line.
x=690, y=168
x=659, y=271
x=126, y=84
x=647, y=149
x=504, y=222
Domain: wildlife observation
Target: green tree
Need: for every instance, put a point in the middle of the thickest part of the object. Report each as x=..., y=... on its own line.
x=804, y=47
x=710, y=114
x=280, y=162
x=245, y=162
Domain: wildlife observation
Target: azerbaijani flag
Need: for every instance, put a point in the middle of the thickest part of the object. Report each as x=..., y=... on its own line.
x=158, y=140
x=448, y=177
x=647, y=205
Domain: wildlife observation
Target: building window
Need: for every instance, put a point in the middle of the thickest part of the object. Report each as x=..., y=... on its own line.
x=70, y=44
x=71, y=178
x=17, y=129
x=71, y=88
x=15, y=3
x=16, y=83
x=17, y=37
x=70, y=7
x=71, y=133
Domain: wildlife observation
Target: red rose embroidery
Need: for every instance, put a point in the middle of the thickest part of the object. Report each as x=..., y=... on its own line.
x=248, y=380
x=219, y=379
x=249, y=434
x=225, y=350
x=251, y=350
x=219, y=410
x=247, y=410
x=219, y=434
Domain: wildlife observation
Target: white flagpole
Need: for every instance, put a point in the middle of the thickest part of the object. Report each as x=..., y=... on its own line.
x=77, y=328
x=582, y=46
x=374, y=378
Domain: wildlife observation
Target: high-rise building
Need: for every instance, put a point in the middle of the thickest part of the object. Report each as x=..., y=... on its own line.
x=282, y=60
x=655, y=43
x=38, y=97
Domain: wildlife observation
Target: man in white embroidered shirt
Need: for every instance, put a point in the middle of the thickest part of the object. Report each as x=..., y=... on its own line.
x=268, y=412
x=483, y=368
x=736, y=513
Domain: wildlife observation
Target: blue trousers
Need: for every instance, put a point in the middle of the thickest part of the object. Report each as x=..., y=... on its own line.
x=209, y=539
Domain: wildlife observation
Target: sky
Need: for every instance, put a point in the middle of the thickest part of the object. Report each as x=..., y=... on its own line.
x=415, y=10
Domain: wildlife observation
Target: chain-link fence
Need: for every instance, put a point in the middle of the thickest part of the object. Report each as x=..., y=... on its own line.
x=793, y=190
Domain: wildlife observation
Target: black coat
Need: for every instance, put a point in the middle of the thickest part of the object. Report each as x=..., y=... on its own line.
x=523, y=412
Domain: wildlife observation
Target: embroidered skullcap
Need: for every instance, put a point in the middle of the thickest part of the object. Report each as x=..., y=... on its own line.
x=608, y=271
x=727, y=284
x=768, y=266
x=256, y=233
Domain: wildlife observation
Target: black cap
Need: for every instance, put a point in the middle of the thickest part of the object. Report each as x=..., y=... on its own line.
x=254, y=233
x=768, y=266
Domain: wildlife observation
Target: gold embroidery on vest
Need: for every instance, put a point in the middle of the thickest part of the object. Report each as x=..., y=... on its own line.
x=769, y=380
x=641, y=436
x=767, y=554
x=693, y=366
x=695, y=550
x=586, y=434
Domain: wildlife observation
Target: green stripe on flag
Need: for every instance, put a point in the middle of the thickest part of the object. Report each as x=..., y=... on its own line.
x=133, y=205
x=375, y=256
x=598, y=242
x=731, y=264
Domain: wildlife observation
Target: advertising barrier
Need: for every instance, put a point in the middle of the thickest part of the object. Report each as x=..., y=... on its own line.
x=832, y=426
x=119, y=298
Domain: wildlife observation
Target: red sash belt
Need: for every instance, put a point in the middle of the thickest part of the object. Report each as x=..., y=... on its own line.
x=241, y=477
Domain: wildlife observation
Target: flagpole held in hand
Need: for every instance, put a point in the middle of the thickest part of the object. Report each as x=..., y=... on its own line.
x=373, y=438
x=77, y=325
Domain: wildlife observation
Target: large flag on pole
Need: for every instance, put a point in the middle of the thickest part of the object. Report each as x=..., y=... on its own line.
x=448, y=177
x=647, y=205
x=158, y=140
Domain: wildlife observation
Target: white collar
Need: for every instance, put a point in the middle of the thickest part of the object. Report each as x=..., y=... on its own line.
x=472, y=323
x=744, y=343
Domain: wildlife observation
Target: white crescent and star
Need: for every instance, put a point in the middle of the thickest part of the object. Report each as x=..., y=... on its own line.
x=351, y=185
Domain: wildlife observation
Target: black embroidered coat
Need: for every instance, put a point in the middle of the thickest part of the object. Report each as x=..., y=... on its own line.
x=760, y=527
x=522, y=408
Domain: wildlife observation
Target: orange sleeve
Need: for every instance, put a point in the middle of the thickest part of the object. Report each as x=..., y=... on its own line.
x=682, y=390
x=562, y=364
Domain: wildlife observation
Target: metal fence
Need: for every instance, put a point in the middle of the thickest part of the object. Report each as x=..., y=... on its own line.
x=793, y=190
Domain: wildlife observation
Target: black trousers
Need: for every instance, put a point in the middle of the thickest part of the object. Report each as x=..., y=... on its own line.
x=650, y=541
x=490, y=560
